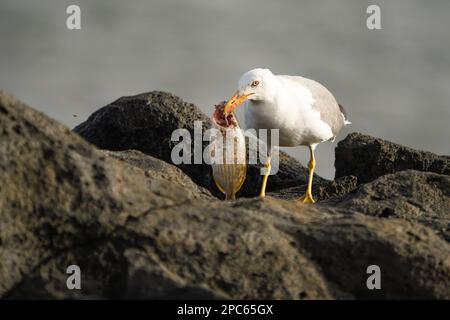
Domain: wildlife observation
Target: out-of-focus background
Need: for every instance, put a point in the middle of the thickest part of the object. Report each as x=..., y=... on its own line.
x=394, y=82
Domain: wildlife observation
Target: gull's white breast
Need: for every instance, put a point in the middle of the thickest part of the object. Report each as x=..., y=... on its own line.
x=292, y=112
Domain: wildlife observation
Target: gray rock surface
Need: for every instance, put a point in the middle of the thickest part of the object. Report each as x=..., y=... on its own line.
x=368, y=158
x=321, y=191
x=422, y=197
x=159, y=169
x=136, y=232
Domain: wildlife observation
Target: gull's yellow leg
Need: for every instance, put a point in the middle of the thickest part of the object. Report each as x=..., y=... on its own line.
x=267, y=166
x=307, y=197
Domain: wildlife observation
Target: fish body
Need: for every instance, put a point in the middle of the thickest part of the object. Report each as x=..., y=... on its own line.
x=228, y=151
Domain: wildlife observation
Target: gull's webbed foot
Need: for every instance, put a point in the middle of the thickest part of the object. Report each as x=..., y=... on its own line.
x=306, y=198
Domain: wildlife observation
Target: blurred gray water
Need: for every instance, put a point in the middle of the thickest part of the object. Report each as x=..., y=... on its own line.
x=394, y=82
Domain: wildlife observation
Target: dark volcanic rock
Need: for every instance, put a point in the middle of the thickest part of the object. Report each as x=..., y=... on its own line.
x=321, y=191
x=337, y=188
x=145, y=122
x=368, y=158
x=422, y=197
x=63, y=202
x=159, y=169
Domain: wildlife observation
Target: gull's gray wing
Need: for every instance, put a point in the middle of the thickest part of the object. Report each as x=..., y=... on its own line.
x=330, y=111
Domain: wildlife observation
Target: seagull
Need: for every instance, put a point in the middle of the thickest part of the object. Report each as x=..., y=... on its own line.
x=303, y=110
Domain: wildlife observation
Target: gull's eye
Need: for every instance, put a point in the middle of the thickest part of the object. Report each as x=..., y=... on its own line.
x=255, y=83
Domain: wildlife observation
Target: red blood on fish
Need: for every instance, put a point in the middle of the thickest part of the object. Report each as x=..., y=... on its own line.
x=222, y=120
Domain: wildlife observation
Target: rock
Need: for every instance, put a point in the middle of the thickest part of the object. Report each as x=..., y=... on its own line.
x=389, y=188
x=145, y=122
x=368, y=158
x=422, y=197
x=159, y=169
x=58, y=194
x=321, y=191
x=337, y=188
x=354, y=242
x=134, y=235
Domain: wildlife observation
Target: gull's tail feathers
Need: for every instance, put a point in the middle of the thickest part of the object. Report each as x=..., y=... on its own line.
x=344, y=114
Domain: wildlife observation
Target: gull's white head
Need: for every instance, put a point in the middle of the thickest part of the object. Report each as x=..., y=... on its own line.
x=256, y=84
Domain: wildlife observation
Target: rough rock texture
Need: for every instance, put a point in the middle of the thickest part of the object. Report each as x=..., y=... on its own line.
x=368, y=158
x=422, y=197
x=159, y=169
x=145, y=122
x=321, y=191
x=136, y=232
x=337, y=188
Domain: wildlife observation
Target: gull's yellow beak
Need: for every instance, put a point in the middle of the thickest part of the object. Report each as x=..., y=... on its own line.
x=234, y=101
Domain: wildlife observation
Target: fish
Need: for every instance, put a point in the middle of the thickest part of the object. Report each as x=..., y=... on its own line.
x=228, y=149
